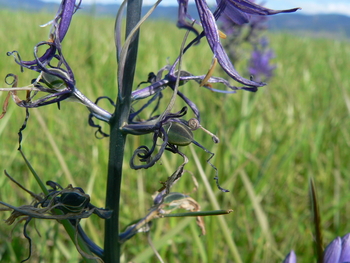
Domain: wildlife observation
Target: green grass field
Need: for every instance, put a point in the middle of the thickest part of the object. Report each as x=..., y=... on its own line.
x=272, y=142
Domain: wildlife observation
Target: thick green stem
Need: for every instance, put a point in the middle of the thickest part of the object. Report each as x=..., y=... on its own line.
x=117, y=140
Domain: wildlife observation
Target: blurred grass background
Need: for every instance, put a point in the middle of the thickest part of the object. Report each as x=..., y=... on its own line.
x=272, y=141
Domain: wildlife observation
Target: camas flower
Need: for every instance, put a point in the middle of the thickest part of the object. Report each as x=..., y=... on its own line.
x=290, y=258
x=60, y=25
x=237, y=34
x=259, y=64
x=239, y=12
x=338, y=251
x=56, y=78
x=61, y=74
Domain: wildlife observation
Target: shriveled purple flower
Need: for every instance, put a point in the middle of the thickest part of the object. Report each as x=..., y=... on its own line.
x=159, y=83
x=239, y=12
x=45, y=64
x=60, y=25
x=171, y=128
x=56, y=78
x=159, y=126
x=260, y=67
x=154, y=92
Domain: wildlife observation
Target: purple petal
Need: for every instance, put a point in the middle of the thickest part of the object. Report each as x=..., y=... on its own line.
x=234, y=14
x=255, y=9
x=238, y=11
x=211, y=32
x=345, y=249
x=150, y=90
x=182, y=14
x=290, y=258
x=68, y=7
x=159, y=197
x=332, y=251
x=63, y=18
x=259, y=64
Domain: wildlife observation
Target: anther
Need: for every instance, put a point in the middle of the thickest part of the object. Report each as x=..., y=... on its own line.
x=222, y=34
x=210, y=72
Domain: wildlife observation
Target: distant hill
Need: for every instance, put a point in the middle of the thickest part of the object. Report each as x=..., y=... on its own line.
x=316, y=25
x=32, y=5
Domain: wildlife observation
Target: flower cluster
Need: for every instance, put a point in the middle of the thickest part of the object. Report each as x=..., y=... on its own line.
x=239, y=33
x=56, y=80
x=259, y=63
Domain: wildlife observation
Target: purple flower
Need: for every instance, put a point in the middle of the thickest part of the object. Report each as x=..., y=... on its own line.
x=60, y=25
x=259, y=65
x=56, y=77
x=338, y=251
x=43, y=64
x=239, y=12
x=290, y=258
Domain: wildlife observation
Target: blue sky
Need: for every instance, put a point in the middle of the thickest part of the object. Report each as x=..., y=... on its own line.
x=308, y=6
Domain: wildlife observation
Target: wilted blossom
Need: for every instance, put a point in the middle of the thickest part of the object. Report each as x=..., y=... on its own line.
x=161, y=125
x=338, y=251
x=239, y=12
x=60, y=25
x=73, y=202
x=56, y=78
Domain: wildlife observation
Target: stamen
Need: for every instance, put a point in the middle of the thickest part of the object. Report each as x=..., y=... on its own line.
x=210, y=72
x=222, y=34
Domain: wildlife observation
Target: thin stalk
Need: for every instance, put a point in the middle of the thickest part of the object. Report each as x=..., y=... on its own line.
x=117, y=139
x=199, y=213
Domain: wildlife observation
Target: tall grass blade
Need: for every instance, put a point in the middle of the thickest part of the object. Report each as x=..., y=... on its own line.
x=226, y=231
x=316, y=217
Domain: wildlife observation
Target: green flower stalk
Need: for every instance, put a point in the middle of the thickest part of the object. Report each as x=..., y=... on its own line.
x=117, y=137
x=171, y=126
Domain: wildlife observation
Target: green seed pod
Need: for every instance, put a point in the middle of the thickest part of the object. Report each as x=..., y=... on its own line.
x=178, y=133
x=173, y=201
x=174, y=196
x=53, y=81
